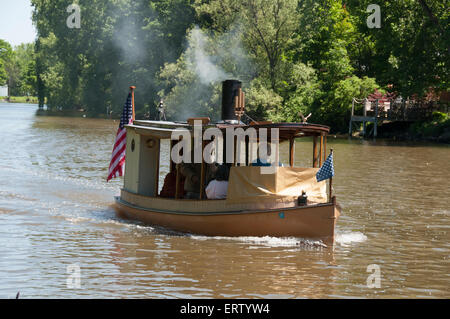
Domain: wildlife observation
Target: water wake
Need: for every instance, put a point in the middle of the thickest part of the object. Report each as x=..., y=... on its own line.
x=268, y=241
x=349, y=238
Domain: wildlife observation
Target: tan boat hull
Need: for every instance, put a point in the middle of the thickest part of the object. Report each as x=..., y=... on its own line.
x=313, y=222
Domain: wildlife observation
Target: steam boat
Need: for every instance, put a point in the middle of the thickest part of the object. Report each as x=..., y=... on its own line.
x=276, y=200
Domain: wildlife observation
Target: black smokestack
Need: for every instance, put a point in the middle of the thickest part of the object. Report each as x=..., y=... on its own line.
x=230, y=89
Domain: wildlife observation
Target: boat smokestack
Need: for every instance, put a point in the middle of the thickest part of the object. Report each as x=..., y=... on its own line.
x=230, y=89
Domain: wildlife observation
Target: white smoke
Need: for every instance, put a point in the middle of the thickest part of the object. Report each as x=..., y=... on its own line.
x=210, y=58
x=200, y=62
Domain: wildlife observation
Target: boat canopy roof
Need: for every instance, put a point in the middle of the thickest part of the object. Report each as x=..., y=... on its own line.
x=164, y=129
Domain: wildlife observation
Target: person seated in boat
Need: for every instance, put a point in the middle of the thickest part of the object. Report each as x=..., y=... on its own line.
x=192, y=173
x=170, y=185
x=218, y=187
x=263, y=161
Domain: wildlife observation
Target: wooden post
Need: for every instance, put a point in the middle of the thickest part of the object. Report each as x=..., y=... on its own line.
x=315, y=151
x=291, y=151
x=375, y=124
x=224, y=149
x=364, y=122
x=177, y=184
x=331, y=182
x=234, y=150
x=321, y=151
x=351, y=117
x=178, y=190
x=132, y=100
x=202, y=173
x=172, y=164
x=391, y=105
x=202, y=179
x=247, y=148
x=324, y=147
x=403, y=109
x=157, y=167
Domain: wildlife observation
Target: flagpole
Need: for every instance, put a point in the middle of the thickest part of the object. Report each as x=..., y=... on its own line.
x=132, y=100
x=331, y=181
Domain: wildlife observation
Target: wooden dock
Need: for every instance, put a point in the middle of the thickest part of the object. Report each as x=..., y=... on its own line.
x=377, y=111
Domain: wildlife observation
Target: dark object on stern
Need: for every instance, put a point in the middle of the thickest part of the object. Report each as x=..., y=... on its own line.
x=303, y=199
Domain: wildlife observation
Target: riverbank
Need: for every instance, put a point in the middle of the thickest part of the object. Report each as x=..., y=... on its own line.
x=19, y=99
x=436, y=130
x=83, y=113
x=402, y=136
x=73, y=113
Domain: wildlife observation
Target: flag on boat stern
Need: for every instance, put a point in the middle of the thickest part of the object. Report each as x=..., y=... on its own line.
x=327, y=169
x=118, y=153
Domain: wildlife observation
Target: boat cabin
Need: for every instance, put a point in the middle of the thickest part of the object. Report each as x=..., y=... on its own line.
x=144, y=158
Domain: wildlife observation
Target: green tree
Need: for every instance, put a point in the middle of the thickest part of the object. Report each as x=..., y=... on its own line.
x=21, y=71
x=5, y=56
x=411, y=49
x=267, y=26
x=119, y=43
x=301, y=89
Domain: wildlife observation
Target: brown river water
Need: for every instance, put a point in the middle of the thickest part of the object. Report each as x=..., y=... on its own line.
x=60, y=238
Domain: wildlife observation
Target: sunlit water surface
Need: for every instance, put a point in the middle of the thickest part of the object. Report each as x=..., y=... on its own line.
x=56, y=216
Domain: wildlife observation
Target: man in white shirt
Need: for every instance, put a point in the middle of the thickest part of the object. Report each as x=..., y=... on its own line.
x=218, y=187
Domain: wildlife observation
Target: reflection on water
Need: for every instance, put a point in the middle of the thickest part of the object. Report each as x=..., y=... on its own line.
x=55, y=211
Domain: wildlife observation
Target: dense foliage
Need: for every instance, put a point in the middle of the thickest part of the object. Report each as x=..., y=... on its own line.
x=18, y=68
x=292, y=55
x=438, y=126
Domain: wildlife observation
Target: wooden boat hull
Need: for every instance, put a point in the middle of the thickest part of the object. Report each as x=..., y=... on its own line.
x=312, y=222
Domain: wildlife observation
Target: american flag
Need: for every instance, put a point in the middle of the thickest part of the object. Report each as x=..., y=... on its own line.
x=327, y=169
x=118, y=153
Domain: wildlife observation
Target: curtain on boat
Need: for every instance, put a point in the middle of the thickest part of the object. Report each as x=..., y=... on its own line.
x=283, y=184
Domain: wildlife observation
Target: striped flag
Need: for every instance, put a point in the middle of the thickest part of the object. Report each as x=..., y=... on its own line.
x=118, y=153
x=327, y=169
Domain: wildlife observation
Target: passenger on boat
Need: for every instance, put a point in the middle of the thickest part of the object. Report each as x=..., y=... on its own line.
x=263, y=161
x=170, y=185
x=218, y=187
x=192, y=173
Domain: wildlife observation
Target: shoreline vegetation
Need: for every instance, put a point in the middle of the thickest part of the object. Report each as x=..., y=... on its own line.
x=19, y=99
x=74, y=113
x=436, y=130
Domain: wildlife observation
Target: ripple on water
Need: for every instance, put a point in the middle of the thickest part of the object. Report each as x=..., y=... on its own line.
x=54, y=212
